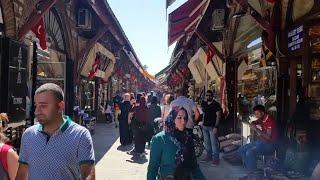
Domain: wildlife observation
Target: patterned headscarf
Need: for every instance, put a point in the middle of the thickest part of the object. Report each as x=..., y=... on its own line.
x=180, y=139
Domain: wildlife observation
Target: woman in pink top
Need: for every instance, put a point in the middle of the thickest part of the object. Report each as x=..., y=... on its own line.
x=8, y=157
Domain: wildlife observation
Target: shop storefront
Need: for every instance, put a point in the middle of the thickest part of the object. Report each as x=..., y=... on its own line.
x=207, y=74
x=95, y=89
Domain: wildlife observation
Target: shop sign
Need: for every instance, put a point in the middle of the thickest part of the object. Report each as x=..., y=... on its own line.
x=295, y=38
x=14, y=79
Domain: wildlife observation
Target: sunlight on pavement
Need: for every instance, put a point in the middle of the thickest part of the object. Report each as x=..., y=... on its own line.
x=115, y=163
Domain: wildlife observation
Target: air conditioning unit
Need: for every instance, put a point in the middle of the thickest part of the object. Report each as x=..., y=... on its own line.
x=218, y=20
x=84, y=20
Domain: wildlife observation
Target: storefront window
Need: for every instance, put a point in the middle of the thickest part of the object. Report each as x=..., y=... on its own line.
x=87, y=95
x=51, y=67
x=256, y=85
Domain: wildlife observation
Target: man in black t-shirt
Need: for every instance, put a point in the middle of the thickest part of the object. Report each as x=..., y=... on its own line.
x=212, y=116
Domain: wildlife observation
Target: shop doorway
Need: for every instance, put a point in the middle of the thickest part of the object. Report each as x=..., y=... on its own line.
x=296, y=86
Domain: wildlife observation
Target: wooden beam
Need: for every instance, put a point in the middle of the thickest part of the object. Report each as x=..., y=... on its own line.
x=35, y=16
x=254, y=13
x=85, y=50
x=210, y=45
x=101, y=13
x=216, y=68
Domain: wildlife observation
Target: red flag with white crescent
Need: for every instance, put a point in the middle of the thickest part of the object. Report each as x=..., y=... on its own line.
x=40, y=31
x=210, y=55
x=94, y=68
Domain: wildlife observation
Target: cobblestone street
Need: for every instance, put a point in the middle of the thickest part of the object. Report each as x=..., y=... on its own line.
x=114, y=163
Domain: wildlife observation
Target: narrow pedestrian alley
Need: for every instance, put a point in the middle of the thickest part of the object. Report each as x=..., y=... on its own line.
x=114, y=163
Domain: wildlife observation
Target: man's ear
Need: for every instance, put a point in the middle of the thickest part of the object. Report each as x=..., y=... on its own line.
x=61, y=105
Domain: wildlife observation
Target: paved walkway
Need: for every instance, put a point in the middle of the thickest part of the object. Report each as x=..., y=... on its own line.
x=113, y=163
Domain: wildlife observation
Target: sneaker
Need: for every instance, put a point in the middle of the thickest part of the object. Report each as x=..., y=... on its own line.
x=206, y=159
x=215, y=162
x=132, y=152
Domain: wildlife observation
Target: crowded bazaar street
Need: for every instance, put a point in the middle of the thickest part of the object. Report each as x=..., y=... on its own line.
x=159, y=89
x=114, y=163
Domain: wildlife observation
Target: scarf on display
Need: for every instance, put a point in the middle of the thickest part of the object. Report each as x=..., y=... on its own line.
x=182, y=140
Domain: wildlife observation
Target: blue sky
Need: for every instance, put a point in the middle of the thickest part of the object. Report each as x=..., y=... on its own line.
x=145, y=25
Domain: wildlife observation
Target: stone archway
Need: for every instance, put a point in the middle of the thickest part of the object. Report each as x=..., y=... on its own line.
x=9, y=18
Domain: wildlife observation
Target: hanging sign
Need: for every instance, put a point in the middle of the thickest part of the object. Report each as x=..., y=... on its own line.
x=295, y=38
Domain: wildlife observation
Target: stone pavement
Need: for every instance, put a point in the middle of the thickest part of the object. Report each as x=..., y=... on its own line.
x=113, y=163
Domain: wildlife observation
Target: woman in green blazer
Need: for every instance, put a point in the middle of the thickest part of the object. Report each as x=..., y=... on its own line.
x=172, y=154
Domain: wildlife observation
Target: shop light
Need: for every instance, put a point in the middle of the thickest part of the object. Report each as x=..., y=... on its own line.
x=239, y=14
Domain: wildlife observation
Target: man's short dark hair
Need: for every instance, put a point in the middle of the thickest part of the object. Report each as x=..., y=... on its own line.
x=259, y=108
x=55, y=89
x=210, y=92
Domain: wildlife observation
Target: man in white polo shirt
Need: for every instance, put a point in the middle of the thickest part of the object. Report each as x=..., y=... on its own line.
x=56, y=148
x=189, y=105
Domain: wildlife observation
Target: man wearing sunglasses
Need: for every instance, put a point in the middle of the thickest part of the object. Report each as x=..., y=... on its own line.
x=212, y=115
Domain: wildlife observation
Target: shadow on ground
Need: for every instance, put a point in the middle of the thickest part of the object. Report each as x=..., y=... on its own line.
x=125, y=148
x=105, y=136
x=138, y=160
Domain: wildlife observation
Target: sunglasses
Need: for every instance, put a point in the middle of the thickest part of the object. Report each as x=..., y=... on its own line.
x=209, y=95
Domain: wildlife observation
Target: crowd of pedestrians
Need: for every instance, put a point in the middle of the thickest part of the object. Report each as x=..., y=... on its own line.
x=58, y=148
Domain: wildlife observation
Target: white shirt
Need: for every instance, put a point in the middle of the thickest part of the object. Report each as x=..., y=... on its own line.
x=187, y=104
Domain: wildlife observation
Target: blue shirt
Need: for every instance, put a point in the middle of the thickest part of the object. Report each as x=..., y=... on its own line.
x=59, y=156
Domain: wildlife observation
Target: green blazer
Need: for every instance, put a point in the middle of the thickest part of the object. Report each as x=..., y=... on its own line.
x=162, y=158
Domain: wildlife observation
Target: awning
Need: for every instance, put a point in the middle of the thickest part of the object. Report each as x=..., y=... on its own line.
x=107, y=63
x=196, y=69
x=202, y=57
x=198, y=65
x=186, y=19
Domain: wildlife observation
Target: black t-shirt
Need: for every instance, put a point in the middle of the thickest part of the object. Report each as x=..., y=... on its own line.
x=117, y=100
x=210, y=111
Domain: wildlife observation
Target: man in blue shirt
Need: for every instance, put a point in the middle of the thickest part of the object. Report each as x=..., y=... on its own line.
x=56, y=148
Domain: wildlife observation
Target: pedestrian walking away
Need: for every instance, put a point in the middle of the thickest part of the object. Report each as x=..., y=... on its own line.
x=138, y=118
x=154, y=111
x=124, y=127
x=56, y=148
x=117, y=100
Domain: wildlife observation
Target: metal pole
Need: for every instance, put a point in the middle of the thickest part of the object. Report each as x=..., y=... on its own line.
x=34, y=70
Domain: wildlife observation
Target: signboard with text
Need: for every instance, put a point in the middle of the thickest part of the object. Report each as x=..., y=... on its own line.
x=14, y=80
x=295, y=38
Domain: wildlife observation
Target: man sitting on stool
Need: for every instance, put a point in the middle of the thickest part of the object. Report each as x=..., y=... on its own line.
x=267, y=135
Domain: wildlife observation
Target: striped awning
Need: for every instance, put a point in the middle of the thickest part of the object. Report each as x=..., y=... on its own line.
x=186, y=19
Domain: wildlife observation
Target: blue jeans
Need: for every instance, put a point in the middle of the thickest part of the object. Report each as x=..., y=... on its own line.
x=211, y=143
x=249, y=152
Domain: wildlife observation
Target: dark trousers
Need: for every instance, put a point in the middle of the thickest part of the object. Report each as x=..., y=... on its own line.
x=140, y=140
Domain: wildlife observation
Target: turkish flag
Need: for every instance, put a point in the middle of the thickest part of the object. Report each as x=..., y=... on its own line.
x=210, y=55
x=94, y=68
x=40, y=31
